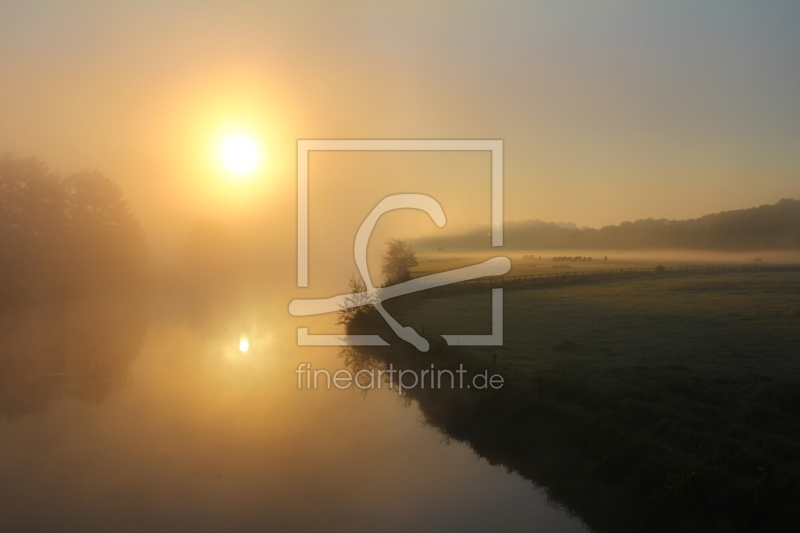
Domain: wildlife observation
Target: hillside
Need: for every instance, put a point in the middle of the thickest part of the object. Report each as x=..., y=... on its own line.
x=767, y=227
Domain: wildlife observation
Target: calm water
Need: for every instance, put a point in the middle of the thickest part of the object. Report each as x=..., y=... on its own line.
x=122, y=419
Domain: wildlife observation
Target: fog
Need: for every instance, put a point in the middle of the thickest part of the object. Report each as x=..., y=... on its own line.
x=149, y=236
x=605, y=114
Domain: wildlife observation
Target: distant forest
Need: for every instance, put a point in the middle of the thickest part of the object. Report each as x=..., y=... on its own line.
x=64, y=235
x=768, y=227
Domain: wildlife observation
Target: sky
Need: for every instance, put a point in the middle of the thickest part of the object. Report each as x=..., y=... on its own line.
x=608, y=111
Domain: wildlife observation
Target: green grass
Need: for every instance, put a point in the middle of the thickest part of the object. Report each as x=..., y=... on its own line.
x=667, y=404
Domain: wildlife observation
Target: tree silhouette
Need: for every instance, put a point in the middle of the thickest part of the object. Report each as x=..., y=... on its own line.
x=64, y=235
x=767, y=227
x=397, y=261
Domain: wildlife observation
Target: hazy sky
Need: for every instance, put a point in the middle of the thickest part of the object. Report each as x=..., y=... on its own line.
x=609, y=112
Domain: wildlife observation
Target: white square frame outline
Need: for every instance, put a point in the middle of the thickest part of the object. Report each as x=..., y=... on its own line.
x=304, y=146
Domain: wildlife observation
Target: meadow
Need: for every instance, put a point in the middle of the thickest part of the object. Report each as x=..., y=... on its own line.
x=534, y=262
x=661, y=404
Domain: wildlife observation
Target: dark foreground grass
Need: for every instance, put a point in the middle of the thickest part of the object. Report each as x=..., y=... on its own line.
x=647, y=405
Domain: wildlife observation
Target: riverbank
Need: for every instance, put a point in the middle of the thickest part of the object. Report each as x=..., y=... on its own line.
x=657, y=404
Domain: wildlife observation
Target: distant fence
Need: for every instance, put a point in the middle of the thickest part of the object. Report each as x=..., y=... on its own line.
x=559, y=278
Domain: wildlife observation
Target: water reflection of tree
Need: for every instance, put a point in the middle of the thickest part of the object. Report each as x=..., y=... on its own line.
x=71, y=285
x=80, y=347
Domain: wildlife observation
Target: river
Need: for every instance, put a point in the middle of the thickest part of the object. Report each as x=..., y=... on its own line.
x=154, y=420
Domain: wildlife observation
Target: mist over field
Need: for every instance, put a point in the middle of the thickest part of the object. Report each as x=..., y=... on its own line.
x=355, y=266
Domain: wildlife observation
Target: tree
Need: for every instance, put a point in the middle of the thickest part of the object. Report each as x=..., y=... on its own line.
x=65, y=236
x=397, y=261
x=105, y=233
x=359, y=303
x=62, y=235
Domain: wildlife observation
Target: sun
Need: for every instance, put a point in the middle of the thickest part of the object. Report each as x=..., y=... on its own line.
x=240, y=154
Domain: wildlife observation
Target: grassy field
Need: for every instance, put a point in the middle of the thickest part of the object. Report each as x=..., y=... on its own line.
x=667, y=404
x=547, y=261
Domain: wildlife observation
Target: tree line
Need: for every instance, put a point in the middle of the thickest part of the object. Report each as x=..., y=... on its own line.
x=64, y=235
x=767, y=227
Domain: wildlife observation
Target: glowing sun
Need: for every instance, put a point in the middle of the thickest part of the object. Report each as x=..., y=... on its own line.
x=244, y=344
x=239, y=154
